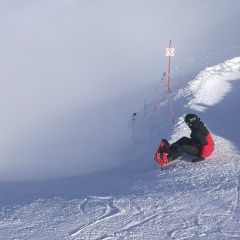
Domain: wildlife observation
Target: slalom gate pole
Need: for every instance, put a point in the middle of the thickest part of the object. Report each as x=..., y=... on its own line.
x=171, y=108
x=169, y=52
x=169, y=98
x=145, y=102
x=189, y=67
x=158, y=92
x=169, y=67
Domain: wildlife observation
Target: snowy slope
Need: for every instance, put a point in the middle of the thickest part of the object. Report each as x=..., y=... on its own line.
x=137, y=200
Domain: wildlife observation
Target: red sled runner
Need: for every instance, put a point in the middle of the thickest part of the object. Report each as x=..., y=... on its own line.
x=161, y=156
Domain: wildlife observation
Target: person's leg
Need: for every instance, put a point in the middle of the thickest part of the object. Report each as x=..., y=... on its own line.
x=188, y=149
x=183, y=145
x=182, y=141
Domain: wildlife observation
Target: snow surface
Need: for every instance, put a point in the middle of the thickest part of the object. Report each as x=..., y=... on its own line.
x=138, y=200
x=47, y=116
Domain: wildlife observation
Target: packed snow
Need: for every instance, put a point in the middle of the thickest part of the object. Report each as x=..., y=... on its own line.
x=107, y=189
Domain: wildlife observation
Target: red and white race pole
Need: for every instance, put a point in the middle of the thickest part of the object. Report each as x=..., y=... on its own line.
x=169, y=53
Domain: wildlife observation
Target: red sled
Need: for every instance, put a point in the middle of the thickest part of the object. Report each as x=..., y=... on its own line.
x=161, y=156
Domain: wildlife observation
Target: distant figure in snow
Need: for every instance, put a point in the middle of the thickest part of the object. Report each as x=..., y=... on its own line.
x=200, y=144
x=134, y=115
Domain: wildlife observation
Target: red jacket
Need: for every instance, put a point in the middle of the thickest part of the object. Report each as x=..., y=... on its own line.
x=202, y=139
x=208, y=149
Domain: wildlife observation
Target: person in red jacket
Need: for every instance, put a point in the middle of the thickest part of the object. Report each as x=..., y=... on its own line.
x=200, y=144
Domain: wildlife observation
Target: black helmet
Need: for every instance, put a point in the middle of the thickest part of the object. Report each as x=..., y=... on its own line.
x=191, y=119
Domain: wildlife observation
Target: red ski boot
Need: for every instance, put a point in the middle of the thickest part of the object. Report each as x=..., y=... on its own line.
x=161, y=156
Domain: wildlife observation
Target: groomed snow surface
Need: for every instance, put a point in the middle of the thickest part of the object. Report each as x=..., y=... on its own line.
x=138, y=200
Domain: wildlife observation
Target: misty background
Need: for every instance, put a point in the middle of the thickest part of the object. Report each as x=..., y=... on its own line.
x=72, y=72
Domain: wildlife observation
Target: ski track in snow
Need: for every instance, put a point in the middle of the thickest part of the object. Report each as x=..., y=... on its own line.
x=216, y=215
x=184, y=201
x=109, y=211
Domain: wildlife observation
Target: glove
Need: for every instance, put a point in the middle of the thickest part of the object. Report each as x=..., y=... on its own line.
x=198, y=159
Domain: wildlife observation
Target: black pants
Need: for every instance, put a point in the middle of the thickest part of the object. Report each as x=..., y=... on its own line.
x=183, y=145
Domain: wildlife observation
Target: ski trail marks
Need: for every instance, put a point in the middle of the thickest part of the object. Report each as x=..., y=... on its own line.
x=102, y=207
x=109, y=218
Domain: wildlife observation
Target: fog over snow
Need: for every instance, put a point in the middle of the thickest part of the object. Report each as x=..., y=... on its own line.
x=73, y=72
